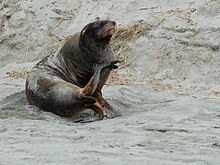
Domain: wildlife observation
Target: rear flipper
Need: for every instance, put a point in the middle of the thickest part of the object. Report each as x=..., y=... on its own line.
x=88, y=100
x=92, y=103
x=91, y=87
x=96, y=107
x=110, y=112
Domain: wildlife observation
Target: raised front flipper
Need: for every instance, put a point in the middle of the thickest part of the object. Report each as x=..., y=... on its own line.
x=92, y=85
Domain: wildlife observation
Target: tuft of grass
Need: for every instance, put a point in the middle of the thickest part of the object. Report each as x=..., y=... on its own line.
x=123, y=36
x=120, y=46
x=17, y=74
x=128, y=33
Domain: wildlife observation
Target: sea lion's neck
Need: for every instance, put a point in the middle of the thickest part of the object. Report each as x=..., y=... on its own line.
x=82, y=58
x=95, y=55
x=94, y=52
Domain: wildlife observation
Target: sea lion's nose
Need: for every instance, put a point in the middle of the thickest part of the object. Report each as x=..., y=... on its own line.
x=114, y=23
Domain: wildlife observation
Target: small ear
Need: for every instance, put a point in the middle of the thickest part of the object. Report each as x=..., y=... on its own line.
x=84, y=29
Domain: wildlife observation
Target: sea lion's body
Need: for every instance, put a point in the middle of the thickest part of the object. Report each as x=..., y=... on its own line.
x=71, y=80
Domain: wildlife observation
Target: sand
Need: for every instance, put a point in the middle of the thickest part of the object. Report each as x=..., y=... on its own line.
x=167, y=87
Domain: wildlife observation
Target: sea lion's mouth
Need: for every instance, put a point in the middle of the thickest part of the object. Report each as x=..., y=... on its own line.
x=108, y=30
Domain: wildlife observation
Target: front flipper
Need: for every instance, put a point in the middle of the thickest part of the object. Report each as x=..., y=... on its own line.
x=112, y=65
x=92, y=85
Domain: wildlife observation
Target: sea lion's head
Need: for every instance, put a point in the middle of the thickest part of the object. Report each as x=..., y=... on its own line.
x=97, y=33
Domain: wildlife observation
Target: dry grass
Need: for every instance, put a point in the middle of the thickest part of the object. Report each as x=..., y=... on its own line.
x=216, y=92
x=17, y=74
x=57, y=46
x=121, y=79
x=129, y=33
x=123, y=36
x=10, y=85
x=157, y=85
x=120, y=46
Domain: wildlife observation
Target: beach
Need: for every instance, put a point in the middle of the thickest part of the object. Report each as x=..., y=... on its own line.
x=167, y=86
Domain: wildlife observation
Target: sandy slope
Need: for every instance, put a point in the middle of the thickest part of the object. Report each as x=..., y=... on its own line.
x=169, y=100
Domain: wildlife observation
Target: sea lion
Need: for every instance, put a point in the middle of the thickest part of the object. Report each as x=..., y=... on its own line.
x=71, y=80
